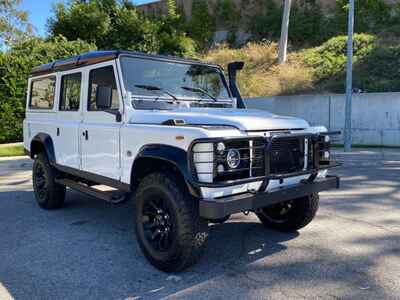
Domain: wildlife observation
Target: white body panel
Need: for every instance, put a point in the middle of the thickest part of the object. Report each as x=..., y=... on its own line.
x=112, y=147
x=66, y=142
x=100, y=152
x=249, y=119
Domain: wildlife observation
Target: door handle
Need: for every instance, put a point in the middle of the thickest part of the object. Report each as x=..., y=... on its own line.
x=58, y=131
x=85, y=134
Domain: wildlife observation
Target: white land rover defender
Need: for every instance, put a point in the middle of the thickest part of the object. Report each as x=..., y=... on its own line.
x=175, y=136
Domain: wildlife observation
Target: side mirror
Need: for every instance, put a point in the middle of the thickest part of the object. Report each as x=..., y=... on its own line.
x=103, y=97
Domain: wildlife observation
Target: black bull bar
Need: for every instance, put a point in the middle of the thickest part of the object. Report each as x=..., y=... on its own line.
x=218, y=208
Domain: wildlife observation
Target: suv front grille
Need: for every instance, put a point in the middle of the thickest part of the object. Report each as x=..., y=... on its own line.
x=275, y=157
x=287, y=156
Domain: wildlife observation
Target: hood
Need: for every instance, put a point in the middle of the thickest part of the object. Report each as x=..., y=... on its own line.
x=243, y=119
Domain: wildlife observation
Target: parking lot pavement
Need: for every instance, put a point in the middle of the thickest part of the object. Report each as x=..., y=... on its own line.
x=87, y=250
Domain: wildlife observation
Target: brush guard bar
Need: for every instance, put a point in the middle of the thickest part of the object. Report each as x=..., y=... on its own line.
x=317, y=144
x=254, y=200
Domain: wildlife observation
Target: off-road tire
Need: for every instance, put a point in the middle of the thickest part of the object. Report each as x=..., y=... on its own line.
x=188, y=232
x=300, y=214
x=53, y=195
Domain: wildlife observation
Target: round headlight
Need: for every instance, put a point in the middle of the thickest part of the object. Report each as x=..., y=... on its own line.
x=233, y=158
x=221, y=148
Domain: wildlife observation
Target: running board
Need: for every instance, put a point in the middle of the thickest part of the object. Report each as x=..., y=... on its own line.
x=109, y=196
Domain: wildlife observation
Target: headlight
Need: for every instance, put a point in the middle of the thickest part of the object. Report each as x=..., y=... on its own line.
x=203, y=159
x=233, y=158
x=221, y=148
x=324, y=149
x=224, y=160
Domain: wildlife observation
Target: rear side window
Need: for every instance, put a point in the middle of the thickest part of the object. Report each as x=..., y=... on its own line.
x=70, y=92
x=102, y=77
x=42, y=93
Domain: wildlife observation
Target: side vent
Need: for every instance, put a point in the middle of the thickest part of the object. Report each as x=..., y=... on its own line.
x=174, y=122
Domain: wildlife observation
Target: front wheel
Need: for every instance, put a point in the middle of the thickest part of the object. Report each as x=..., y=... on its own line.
x=291, y=215
x=168, y=227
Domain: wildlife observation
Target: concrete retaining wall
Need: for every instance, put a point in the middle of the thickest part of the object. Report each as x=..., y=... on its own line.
x=375, y=121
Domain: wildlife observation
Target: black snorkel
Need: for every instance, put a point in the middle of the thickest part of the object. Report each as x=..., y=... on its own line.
x=233, y=67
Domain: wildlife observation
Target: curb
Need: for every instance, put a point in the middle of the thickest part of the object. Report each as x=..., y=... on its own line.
x=11, y=144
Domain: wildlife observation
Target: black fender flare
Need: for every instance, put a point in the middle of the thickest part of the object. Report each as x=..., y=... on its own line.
x=47, y=143
x=172, y=155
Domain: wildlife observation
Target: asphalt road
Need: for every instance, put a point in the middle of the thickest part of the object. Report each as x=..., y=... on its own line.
x=88, y=250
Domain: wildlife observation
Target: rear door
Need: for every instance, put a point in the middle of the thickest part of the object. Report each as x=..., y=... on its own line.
x=100, y=128
x=69, y=117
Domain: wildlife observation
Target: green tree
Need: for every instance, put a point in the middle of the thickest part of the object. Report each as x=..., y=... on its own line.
x=202, y=26
x=370, y=15
x=228, y=17
x=172, y=9
x=86, y=21
x=129, y=31
x=13, y=22
x=117, y=25
x=15, y=65
x=267, y=23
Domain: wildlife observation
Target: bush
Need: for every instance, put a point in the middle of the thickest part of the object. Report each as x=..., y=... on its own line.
x=330, y=58
x=15, y=66
x=379, y=70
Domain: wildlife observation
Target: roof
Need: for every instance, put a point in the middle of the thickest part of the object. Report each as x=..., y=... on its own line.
x=94, y=57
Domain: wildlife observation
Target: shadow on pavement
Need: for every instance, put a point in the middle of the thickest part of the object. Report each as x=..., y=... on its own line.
x=88, y=249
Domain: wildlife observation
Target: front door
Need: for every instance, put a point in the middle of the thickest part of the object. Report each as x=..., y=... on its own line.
x=100, y=129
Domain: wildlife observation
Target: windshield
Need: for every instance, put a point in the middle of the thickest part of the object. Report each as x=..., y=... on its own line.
x=173, y=81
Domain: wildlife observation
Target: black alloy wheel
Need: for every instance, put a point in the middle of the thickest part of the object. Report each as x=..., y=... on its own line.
x=157, y=224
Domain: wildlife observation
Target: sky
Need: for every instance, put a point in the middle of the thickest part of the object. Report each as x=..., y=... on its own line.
x=40, y=10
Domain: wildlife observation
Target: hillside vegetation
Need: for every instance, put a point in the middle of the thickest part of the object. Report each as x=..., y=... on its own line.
x=315, y=70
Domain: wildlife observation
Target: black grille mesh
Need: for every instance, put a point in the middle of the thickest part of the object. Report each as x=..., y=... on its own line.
x=287, y=155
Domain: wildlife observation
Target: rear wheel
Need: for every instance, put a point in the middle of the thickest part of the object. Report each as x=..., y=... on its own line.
x=48, y=193
x=291, y=215
x=168, y=227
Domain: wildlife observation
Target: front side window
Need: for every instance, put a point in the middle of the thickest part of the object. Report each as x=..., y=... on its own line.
x=100, y=79
x=70, y=92
x=42, y=93
x=165, y=79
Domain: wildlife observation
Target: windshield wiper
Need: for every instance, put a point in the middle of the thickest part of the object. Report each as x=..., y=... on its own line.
x=199, y=90
x=155, y=88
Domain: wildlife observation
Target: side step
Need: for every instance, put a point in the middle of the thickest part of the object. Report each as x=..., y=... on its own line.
x=114, y=196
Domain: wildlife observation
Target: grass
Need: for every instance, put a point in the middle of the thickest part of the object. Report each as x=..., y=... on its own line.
x=315, y=70
x=12, y=150
x=262, y=76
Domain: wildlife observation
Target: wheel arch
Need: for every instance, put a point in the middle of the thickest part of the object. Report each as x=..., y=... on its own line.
x=156, y=157
x=42, y=142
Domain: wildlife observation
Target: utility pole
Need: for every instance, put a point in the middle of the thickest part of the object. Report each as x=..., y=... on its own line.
x=284, y=33
x=349, y=80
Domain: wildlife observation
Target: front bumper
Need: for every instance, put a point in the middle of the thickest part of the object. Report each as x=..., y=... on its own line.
x=221, y=207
